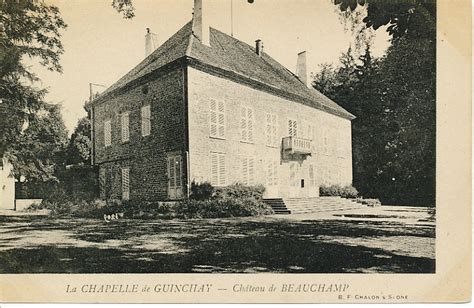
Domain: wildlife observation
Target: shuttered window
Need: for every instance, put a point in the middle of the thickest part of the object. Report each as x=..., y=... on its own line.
x=125, y=125
x=146, y=120
x=325, y=142
x=125, y=183
x=218, y=169
x=175, y=182
x=271, y=130
x=246, y=124
x=217, y=119
x=292, y=128
x=247, y=171
x=272, y=173
x=107, y=133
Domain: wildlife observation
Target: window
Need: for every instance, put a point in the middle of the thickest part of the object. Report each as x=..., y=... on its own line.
x=246, y=124
x=125, y=122
x=271, y=129
x=326, y=141
x=125, y=183
x=292, y=128
x=107, y=133
x=218, y=171
x=247, y=171
x=217, y=119
x=272, y=173
x=146, y=120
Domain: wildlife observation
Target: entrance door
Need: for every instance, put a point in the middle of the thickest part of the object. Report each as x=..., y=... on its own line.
x=294, y=180
x=175, y=176
x=301, y=181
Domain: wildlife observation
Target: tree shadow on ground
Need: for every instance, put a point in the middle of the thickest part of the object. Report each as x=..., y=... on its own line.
x=232, y=245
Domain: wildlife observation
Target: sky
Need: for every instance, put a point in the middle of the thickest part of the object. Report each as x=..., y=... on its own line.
x=100, y=46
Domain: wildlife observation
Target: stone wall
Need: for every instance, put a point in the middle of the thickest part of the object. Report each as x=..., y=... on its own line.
x=332, y=163
x=145, y=156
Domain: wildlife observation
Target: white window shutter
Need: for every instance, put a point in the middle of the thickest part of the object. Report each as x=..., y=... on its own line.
x=125, y=183
x=217, y=119
x=125, y=121
x=221, y=131
x=214, y=169
x=249, y=124
x=107, y=133
x=251, y=171
x=243, y=124
x=146, y=120
x=222, y=170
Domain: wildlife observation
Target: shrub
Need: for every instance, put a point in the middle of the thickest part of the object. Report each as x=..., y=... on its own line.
x=239, y=191
x=201, y=191
x=147, y=209
x=220, y=208
x=369, y=202
x=347, y=191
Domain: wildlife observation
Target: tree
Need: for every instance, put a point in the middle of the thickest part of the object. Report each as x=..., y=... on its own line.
x=40, y=150
x=409, y=18
x=30, y=29
x=79, y=149
x=125, y=7
x=394, y=99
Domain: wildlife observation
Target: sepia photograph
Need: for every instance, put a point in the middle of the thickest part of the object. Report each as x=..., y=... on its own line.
x=218, y=136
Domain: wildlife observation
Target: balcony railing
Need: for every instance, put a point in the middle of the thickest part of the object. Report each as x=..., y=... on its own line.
x=296, y=145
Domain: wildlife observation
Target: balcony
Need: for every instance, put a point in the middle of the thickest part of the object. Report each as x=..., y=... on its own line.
x=295, y=145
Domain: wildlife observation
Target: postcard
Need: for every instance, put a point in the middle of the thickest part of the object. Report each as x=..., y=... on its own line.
x=235, y=151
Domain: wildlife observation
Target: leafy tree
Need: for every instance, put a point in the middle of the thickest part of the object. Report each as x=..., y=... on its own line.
x=40, y=150
x=28, y=29
x=79, y=149
x=394, y=100
x=407, y=18
x=125, y=7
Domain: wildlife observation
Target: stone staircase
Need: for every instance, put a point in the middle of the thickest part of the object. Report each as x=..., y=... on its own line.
x=278, y=205
x=311, y=205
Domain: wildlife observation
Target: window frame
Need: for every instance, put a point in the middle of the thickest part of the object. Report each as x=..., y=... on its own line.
x=107, y=133
x=247, y=178
x=125, y=188
x=294, y=128
x=271, y=130
x=221, y=169
x=249, y=124
x=145, y=121
x=218, y=114
x=125, y=133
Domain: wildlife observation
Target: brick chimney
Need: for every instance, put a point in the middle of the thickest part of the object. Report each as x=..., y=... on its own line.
x=302, y=70
x=200, y=22
x=149, y=42
x=259, y=47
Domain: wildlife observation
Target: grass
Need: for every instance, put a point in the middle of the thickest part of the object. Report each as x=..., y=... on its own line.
x=31, y=244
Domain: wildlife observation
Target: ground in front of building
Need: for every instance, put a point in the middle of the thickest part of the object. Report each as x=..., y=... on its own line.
x=383, y=240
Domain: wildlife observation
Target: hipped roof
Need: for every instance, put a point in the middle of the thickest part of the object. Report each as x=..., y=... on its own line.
x=230, y=55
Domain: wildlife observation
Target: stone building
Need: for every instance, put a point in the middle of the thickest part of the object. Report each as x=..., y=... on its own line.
x=205, y=106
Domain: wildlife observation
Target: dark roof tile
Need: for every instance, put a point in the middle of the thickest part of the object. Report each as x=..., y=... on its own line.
x=230, y=54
